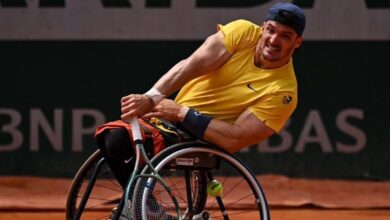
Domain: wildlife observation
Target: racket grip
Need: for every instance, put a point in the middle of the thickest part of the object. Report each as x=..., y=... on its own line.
x=135, y=129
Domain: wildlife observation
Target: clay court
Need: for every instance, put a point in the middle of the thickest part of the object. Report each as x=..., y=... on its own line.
x=289, y=198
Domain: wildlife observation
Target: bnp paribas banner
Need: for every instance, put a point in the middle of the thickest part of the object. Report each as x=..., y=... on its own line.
x=66, y=63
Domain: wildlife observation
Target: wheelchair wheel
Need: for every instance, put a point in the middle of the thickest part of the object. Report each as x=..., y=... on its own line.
x=187, y=168
x=94, y=189
x=160, y=204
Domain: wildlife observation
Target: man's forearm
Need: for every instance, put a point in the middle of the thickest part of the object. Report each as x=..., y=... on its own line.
x=226, y=136
x=246, y=131
x=172, y=81
x=218, y=132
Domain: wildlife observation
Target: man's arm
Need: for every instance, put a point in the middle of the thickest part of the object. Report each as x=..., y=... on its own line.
x=245, y=131
x=209, y=56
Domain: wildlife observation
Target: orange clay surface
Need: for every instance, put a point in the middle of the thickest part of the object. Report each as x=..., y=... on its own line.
x=31, y=198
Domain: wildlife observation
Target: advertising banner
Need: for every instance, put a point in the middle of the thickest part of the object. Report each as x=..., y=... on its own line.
x=65, y=64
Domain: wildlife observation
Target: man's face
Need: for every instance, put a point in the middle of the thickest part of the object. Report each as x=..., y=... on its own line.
x=278, y=42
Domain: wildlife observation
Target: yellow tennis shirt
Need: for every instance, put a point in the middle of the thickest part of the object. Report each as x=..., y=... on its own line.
x=239, y=85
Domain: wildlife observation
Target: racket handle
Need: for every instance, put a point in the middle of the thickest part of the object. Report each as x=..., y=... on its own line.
x=135, y=129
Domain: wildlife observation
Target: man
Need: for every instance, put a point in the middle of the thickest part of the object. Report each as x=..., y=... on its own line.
x=237, y=89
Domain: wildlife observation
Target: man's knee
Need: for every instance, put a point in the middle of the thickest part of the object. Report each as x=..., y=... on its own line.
x=117, y=143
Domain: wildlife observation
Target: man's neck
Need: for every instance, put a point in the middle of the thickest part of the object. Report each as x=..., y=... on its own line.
x=265, y=64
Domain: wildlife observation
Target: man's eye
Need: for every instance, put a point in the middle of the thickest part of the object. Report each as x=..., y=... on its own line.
x=270, y=30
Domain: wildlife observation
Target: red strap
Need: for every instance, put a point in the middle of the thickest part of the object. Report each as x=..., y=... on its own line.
x=158, y=139
x=118, y=124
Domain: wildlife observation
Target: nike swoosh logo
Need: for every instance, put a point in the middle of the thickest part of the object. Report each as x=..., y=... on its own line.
x=250, y=87
x=128, y=160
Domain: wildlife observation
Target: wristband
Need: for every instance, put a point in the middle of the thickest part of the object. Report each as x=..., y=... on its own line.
x=155, y=95
x=196, y=122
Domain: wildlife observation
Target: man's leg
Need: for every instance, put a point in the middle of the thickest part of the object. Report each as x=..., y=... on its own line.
x=118, y=150
x=116, y=146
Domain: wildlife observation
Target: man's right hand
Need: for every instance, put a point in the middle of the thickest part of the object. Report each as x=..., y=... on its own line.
x=169, y=110
x=135, y=105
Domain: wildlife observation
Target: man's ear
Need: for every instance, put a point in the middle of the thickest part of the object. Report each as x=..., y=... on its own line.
x=298, y=42
x=263, y=26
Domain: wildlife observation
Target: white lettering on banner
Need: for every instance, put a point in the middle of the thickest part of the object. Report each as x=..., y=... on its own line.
x=78, y=131
x=12, y=130
x=52, y=129
x=320, y=138
x=38, y=120
x=314, y=122
x=181, y=20
x=359, y=135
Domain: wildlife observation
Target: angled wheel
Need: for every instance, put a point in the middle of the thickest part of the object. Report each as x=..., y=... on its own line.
x=187, y=168
x=94, y=188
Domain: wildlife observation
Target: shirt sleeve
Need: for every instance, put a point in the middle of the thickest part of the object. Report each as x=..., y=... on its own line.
x=239, y=34
x=275, y=109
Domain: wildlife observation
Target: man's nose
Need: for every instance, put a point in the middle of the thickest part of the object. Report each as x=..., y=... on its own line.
x=275, y=39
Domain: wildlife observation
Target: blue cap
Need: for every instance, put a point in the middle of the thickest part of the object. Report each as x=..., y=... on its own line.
x=288, y=14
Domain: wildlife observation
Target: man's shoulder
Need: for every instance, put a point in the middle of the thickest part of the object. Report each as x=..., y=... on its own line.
x=244, y=23
x=240, y=34
x=244, y=28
